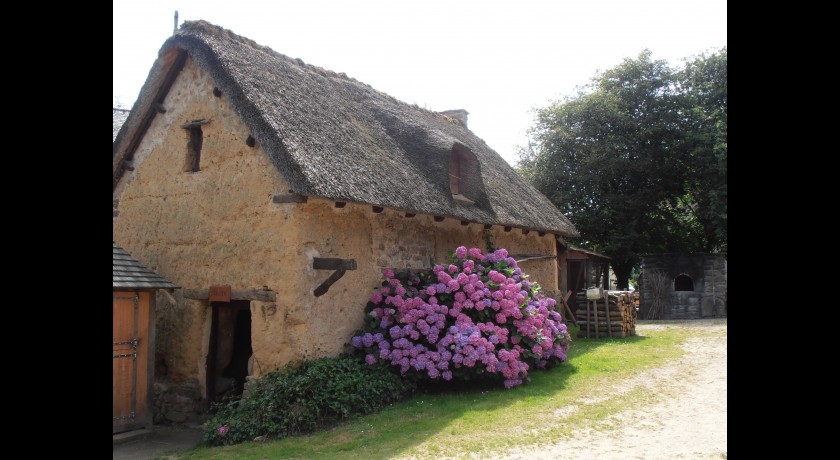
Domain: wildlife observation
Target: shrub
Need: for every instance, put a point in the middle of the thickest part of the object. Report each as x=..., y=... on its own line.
x=301, y=397
x=477, y=317
x=573, y=329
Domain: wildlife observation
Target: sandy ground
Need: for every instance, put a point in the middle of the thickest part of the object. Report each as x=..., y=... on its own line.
x=689, y=422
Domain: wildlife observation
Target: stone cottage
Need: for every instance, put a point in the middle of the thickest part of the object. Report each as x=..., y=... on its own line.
x=274, y=192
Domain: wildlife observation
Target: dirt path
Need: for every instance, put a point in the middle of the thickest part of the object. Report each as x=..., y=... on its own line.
x=689, y=422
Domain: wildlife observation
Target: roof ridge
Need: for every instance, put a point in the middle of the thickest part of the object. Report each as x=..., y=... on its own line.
x=200, y=25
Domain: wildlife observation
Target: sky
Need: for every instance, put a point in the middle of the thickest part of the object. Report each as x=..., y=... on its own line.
x=498, y=60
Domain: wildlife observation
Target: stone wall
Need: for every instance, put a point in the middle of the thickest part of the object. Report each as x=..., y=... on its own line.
x=707, y=273
x=176, y=404
x=221, y=226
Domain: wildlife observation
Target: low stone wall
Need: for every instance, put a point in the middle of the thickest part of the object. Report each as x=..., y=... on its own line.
x=177, y=404
x=684, y=305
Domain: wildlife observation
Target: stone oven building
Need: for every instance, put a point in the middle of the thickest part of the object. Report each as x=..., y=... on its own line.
x=274, y=192
x=683, y=286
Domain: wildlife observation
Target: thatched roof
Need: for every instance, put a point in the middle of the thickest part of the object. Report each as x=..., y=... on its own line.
x=130, y=273
x=333, y=137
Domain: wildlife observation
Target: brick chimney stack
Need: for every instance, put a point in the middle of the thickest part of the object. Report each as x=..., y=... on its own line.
x=458, y=114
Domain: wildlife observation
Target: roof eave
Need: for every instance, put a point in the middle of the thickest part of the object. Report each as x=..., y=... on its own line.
x=160, y=80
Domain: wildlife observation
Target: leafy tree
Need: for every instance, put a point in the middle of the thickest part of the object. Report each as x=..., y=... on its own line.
x=630, y=157
x=703, y=86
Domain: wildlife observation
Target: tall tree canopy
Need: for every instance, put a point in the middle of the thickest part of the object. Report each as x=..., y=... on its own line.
x=637, y=159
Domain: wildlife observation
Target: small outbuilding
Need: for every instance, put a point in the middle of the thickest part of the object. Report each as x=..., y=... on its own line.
x=683, y=286
x=135, y=289
x=581, y=269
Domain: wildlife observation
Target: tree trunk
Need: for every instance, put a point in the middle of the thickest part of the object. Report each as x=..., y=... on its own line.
x=622, y=271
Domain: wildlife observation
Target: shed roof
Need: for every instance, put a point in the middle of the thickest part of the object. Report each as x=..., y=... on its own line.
x=130, y=273
x=590, y=253
x=333, y=137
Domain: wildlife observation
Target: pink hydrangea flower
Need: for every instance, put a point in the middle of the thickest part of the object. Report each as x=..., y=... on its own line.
x=461, y=252
x=443, y=313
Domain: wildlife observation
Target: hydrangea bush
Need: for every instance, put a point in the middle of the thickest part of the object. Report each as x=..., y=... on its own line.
x=476, y=317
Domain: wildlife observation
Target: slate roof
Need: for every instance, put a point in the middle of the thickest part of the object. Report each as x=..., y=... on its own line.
x=130, y=273
x=333, y=137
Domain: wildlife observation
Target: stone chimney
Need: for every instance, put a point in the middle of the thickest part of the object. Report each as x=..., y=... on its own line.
x=458, y=114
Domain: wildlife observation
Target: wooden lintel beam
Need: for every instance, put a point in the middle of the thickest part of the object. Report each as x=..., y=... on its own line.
x=195, y=123
x=291, y=198
x=235, y=294
x=524, y=257
x=531, y=256
x=330, y=263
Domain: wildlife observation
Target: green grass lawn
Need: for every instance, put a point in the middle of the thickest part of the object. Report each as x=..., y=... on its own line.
x=478, y=421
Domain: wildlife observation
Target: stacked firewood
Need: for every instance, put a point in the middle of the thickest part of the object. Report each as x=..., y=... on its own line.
x=614, y=315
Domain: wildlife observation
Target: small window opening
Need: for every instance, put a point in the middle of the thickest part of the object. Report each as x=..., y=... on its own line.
x=455, y=174
x=463, y=174
x=683, y=283
x=194, y=148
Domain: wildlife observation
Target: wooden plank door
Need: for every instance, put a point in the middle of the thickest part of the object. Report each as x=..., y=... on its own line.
x=130, y=360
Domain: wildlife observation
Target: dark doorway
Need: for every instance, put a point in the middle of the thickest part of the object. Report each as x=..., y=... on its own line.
x=229, y=349
x=683, y=283
x=575, y=279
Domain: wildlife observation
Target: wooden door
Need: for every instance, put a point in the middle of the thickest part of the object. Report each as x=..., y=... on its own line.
x=131, y=360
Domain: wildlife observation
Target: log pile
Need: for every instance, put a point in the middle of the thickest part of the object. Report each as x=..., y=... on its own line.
x=612, y=316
